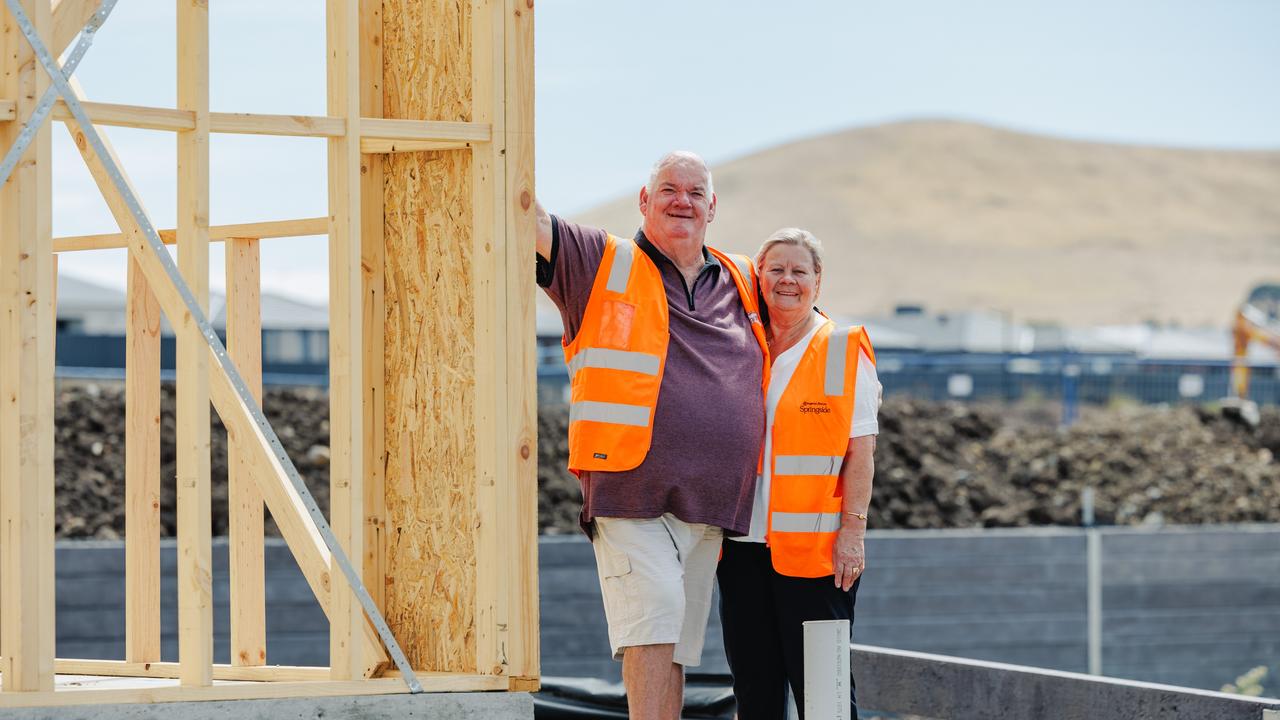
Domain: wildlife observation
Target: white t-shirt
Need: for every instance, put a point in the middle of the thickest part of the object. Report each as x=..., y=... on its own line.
x=865, y=406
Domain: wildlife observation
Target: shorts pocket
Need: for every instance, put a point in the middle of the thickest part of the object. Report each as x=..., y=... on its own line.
x=616, y=564
x=617, y=588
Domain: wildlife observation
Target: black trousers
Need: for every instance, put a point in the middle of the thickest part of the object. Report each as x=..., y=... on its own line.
x=763, y=614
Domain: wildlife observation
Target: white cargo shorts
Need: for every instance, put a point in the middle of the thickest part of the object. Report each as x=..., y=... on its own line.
x=656, y=576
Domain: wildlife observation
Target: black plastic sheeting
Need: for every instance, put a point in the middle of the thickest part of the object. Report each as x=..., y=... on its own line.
x=706, y=696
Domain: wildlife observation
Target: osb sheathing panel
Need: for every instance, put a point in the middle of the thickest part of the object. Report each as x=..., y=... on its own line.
x=430, y=443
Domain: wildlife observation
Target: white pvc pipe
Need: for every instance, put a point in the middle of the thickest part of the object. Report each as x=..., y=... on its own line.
x=826, y=670
x=1093, y=566
x=1093, y=543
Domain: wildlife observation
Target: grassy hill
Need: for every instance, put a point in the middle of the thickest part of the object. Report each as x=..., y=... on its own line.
x=963, y=216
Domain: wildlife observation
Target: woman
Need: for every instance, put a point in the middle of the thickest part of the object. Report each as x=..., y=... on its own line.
x=803, y=556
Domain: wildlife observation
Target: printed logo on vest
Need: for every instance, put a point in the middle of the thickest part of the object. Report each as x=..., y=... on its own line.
x=814, y=407
x=600, y=456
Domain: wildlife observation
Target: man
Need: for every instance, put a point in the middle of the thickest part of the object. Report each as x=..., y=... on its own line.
x=666, y=357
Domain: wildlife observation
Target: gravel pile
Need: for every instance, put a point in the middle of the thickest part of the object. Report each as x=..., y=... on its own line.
x=89, y=456
x=938, y=465
x=949, y=465
x=953, y=465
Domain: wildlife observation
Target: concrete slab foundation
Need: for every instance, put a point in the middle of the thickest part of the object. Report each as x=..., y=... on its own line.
x=437, y=706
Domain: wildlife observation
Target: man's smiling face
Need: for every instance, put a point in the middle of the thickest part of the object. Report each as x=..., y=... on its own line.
x=680, y=203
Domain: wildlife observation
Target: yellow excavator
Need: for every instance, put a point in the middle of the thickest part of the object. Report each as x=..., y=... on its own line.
x=1257, y=320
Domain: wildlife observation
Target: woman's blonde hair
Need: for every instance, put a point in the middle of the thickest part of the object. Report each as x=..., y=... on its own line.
x=793, y=236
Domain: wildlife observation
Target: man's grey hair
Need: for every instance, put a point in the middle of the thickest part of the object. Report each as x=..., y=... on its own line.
x=675, y=157
x=792, y=236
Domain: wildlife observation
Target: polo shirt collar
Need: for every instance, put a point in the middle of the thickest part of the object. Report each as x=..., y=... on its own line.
x=708, y=260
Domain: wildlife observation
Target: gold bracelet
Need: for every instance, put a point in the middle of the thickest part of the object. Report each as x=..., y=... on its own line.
x=860, y=516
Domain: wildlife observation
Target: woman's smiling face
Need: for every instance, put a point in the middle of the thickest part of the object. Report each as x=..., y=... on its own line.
x=788, y=278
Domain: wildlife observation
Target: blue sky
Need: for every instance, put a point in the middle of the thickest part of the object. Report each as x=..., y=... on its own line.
x=620, y=83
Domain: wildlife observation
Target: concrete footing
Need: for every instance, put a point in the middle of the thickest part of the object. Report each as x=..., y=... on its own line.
x=437, y=706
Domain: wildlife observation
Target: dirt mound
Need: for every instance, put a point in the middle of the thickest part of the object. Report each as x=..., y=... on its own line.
x=559, y=494
x=937, y=464
x=953, y=465
x=89, y=457
x=941, y=465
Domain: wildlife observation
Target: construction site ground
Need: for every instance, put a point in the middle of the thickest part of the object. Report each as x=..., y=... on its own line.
x=938, y=465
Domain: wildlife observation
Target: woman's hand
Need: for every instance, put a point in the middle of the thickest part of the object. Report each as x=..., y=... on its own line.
x=848, y=557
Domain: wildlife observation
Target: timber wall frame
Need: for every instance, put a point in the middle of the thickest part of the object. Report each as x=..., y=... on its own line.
x=432, y=365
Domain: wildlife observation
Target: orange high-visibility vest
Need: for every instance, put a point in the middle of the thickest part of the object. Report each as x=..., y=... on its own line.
x=810, y=437
x=618, y=356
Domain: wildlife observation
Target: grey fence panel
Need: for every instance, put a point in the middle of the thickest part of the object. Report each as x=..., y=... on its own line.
x=1190, y=606
x=1199, y=623
x=1007, y=596
x=958, y=600
x=1049, y=542
x=1215, y=596
x=946, y=631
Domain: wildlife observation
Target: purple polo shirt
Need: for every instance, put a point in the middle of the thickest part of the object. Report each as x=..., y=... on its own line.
x=709, y=423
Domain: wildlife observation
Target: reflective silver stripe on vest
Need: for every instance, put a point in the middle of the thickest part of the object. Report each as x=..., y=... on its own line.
x=744, y=267
x=620, y=272
x=607, y=412
x=807, y=464
x=614, y=360
x=806, y=522
x=837, y=353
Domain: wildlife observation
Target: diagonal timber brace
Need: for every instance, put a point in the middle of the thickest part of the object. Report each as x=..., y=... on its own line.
x=299, y=518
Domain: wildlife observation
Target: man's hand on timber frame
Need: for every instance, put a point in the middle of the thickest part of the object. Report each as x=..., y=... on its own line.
x=544, y=233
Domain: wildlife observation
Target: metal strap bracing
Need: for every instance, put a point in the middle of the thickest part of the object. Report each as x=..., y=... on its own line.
x=215, y=344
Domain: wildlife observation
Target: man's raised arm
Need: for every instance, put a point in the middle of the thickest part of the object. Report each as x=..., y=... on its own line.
x=544, y=233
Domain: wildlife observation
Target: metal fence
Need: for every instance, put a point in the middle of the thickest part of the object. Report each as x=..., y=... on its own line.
x=1069, y=378
x=289, y=357
x=1074, y=377
x=300, y=357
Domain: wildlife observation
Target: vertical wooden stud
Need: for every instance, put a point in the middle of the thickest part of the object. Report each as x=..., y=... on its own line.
x=346, y=379
x=26, y=378
x=520, y=494
x=141, y=469
x=372, y=251
x=244, y=502
x=195, y=591
x=489, y=292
